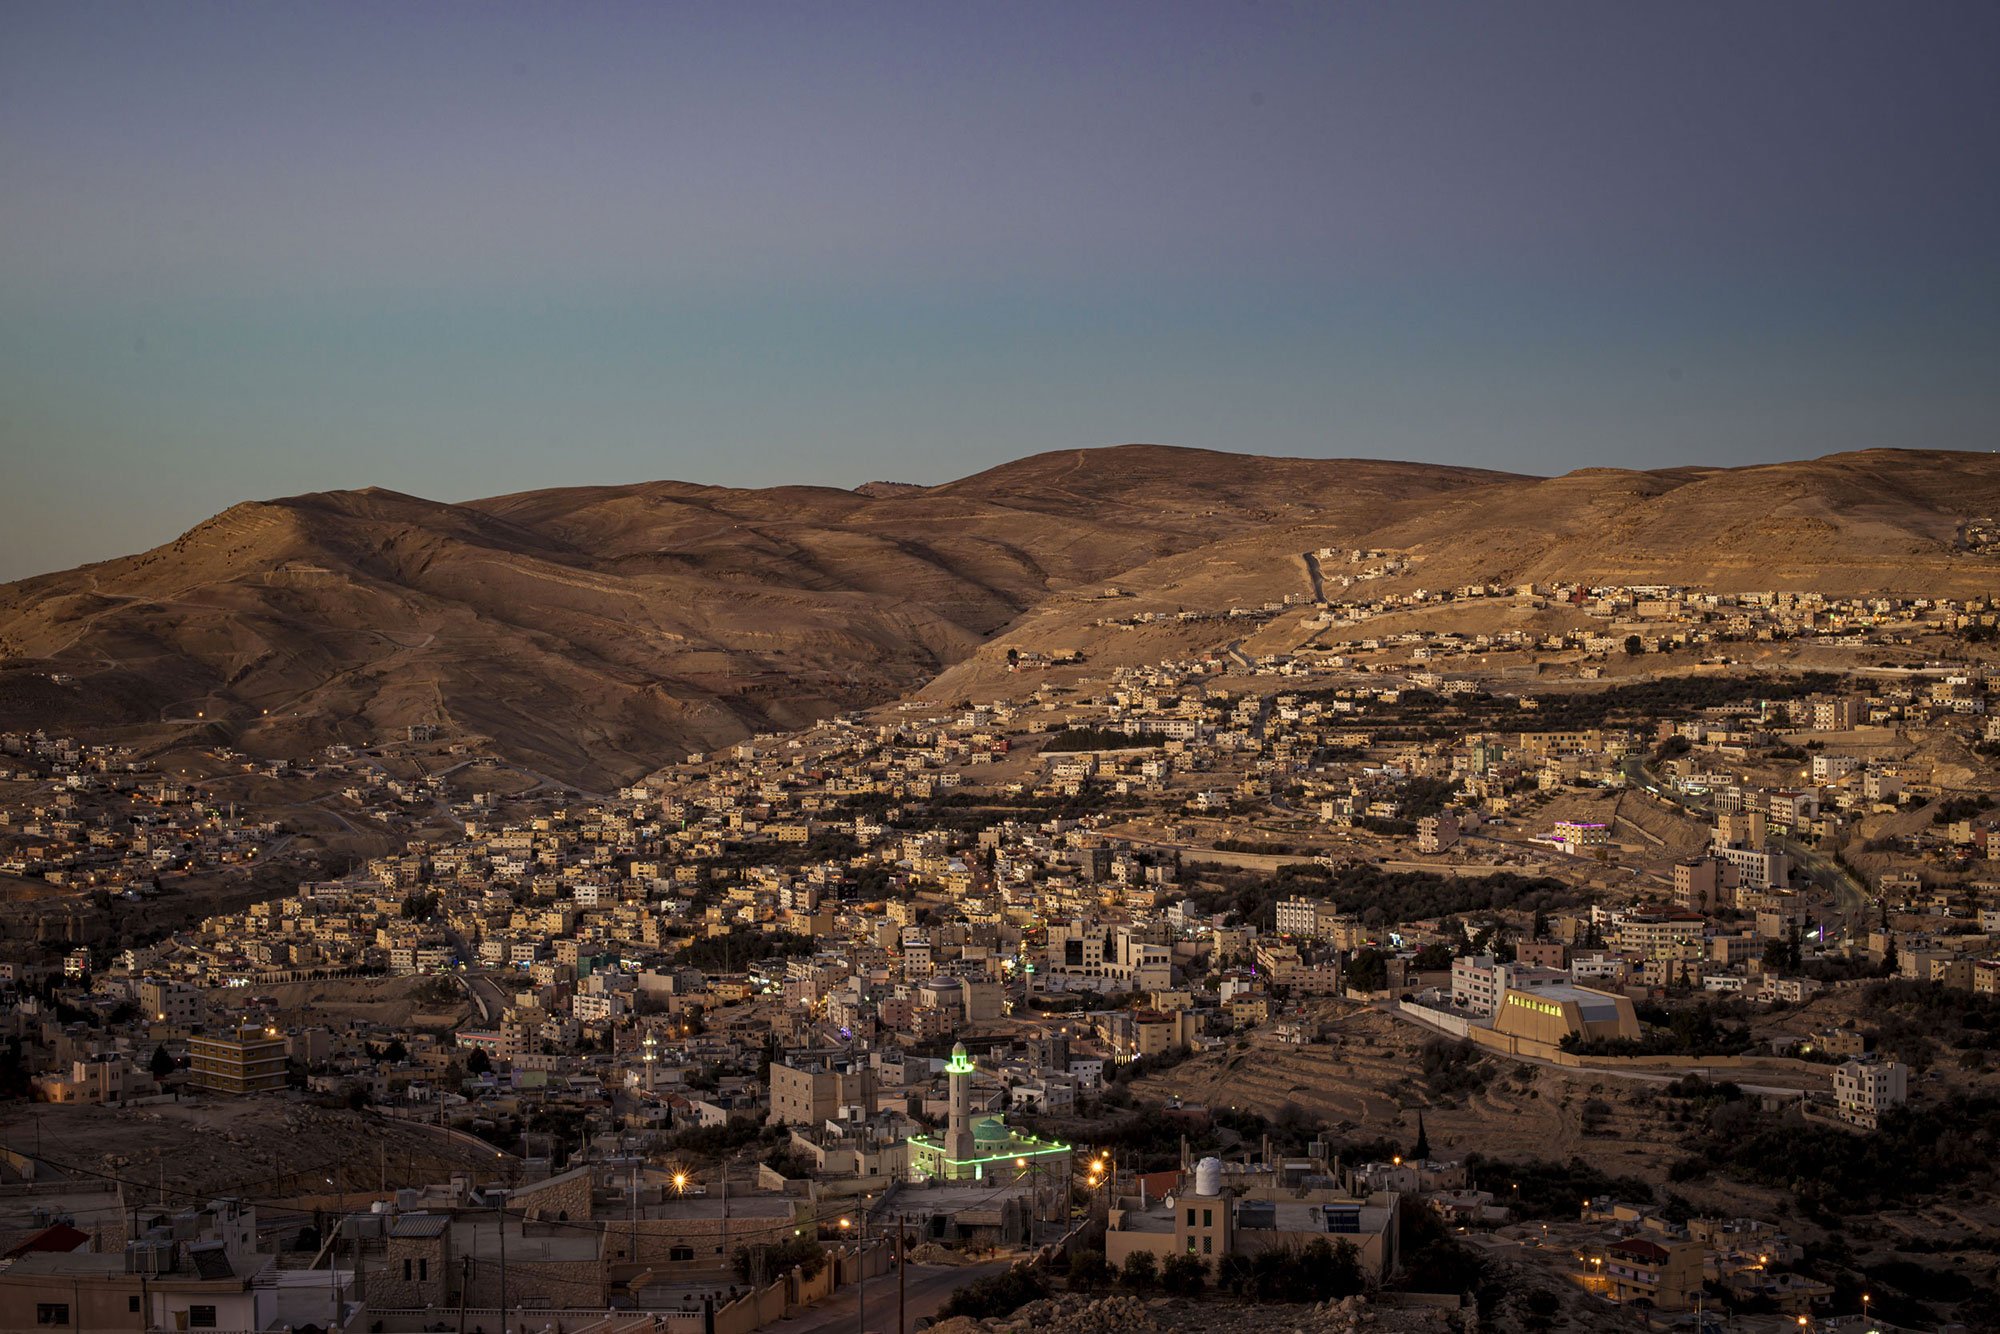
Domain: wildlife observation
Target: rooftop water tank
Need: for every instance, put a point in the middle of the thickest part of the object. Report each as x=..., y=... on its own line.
x=1208, y=1177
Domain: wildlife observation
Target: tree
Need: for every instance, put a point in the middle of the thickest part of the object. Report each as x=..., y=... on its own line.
x=1333, y=1269
x=161, y=1065
x=1634, y=646
x=479, y=1063
x=804, y=1252
x=1184, y=1275
x=1087, y=1270
x=1368, y=970
x=1421, y=1150
x=1141, y=1272
x=1432, y=958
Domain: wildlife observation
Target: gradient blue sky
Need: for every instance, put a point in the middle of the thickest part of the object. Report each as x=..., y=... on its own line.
x=255, y=249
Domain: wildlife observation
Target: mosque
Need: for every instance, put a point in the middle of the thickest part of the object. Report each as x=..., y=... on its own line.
x=982, y=1147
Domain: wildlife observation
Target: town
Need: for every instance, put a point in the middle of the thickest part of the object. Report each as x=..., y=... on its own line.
x=1428, y=972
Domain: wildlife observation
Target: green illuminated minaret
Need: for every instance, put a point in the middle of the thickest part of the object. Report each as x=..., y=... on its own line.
x=958, y=1140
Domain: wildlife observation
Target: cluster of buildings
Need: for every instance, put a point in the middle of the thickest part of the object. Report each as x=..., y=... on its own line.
x=101, y=819
x=909, y=936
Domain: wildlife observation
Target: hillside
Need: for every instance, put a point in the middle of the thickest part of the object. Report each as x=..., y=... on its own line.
x=1877, y=520
x=597, y=631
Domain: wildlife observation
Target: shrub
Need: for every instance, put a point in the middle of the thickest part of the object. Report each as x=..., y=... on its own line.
x=1087, y=1270
x=998, y=1296
x=1184, y=1275
x=1142, y=1271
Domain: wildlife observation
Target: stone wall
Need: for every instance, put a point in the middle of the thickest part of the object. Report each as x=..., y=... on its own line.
x=651, y=1241
x=560, y=1197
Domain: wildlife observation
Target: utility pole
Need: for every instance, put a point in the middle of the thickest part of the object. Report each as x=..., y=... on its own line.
x=902, y=1278
x=861, y=1289
x=502, y=1210
x=464, y=1283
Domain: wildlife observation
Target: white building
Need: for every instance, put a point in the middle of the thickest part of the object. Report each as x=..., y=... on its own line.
x=1476, y=984
x=1863, y=1090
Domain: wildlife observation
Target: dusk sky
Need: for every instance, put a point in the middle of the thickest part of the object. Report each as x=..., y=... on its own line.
x=250, y=250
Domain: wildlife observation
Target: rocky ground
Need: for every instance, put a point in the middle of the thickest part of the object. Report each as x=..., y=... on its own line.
x=268, y=1148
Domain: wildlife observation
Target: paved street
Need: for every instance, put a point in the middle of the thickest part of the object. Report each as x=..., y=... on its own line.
x=930, y=1287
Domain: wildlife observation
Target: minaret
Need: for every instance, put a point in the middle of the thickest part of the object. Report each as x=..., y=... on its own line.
x=958, y=1141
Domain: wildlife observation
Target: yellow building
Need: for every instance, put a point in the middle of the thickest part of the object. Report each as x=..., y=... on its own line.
x=1550, y=1014
x=249, y=1061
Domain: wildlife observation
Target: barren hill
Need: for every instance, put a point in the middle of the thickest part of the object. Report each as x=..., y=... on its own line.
x=597, y=631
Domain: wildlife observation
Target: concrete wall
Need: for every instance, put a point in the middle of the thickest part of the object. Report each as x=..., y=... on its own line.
x=493, y=1321
x=1453, y=1024
x=1509, y=1045
x=755, y=1309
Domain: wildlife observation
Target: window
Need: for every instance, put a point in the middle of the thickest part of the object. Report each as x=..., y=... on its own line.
x=52, y=1313
x=680, y=1253
x=1208, y=1218
x=406, y=1271
x=423, y=1269
x=1190, y=1218
x=132, y=1304
x=1208, y=1245
x=201, y=1317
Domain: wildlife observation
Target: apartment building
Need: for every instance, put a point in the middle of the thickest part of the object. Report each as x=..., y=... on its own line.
x=249, y=1061
x=1863, y=1090
x=806, y=1091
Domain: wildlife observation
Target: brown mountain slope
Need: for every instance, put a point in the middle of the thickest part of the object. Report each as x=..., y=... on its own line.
x=597, y=631
x=1877, y=520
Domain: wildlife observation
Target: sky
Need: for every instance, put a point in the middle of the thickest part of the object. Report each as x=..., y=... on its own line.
x=250, y=250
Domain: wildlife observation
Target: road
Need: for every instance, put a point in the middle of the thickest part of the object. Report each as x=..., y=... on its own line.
x=930, y=1287
x=1851, y=899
